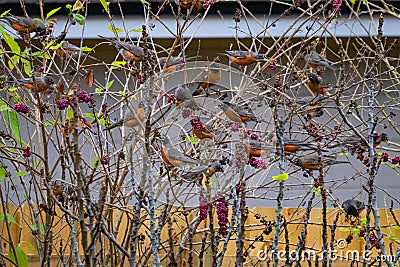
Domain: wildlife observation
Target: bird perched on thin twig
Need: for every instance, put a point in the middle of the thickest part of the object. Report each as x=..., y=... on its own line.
x=237, y=113
x=41, y=84
x=183, y=95
x=130, y=120
x=316, y=84
x=200, y=130
x=290, y=145
x=175, y=63
x=311, y=162
x=197, y=174
x=128, y=51
x=353, y=207
x=244, y=58
x=25, y=25
x=315, y=60
x=256, y=148
x=355, y=142
x=172, y=156
x=68, y=49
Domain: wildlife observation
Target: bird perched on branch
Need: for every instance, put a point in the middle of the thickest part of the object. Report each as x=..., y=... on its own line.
x=353, y=207
x=130, y=120
x=128, y=51
x=187, y=4
x=290, y=145
x=172, y=156
x=175, y=63
x=316, y=84
x=198, y=174
x=41, y=84
x=244, y=58
x=200, y=130
x=315, y=60
x=357, y=143
x=256, y=148
x=310, y=162
x=237, y=113
x=183, y=95
x=68, y=49
x=25, y=25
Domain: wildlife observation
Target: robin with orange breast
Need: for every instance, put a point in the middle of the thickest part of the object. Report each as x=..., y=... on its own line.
x=315, y=60
x=130, y=120
x=237, y=113
x=256, y=148
x=68, y=49
x=244, y=58
x=310, y=162
x=197, y=174
x=316, y=84
x=290, y=145
x=213, y=75
x=187, y=4
x=128, y=51
x=200, y=130
x=353, y=207
x=25, y=25
x=183, y=95
x=172, y=156
x=175, y=63
x=41, y=84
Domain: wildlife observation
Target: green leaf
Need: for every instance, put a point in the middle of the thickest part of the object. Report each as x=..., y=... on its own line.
x=191, y=139
x=79, y=18
x=85, y=49
x=144, y=2
x=109, y=84
x=4, y=107
x=105, y=4
x=52, y=12
x=3, y=173
x=41, y=226
x=21, y=256
x=69, y=6
x=379, y=153
x=13, y=61
x=10, y=218
x=98, y=90
x=102, y=121
x=122, y=93
x=32, y=248
x=317, y=191
x=4, y=13
x=70, y=114
x=95, y=161
x=20, y=173
x=281, y=177
x=363, y=220
x=397, y=228
x=90, y=115
x=11, y=43
x=53, y=46
x=136, y=30
x=356, y=231
x=35, y=164
x=343, y=229
x=352, y=1
x=114, y=29
x=394, y=166
x=343, y=154
x=117, y=64
x=40, y=54
x=12, y=121
x=48, y=123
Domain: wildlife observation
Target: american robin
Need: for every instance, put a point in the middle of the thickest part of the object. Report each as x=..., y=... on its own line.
x=187, y=4
x=236, y=113
x=200, y=130
x=174, y=157
x=316, y=84
x=213, y=75
x=175, y=63
x=310, y=162
x=315, y=60
x=44, y=84
x=244, y=58
x=68, y=49
x=128, y=51
x=353, y=207
x=25, y=25
x=197, y=174
x=183, y=95
x=290, y=145
x=130, y=120
x=356, y=142
x=256, y=148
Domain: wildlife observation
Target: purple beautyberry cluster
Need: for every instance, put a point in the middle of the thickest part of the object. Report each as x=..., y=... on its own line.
x=49, y=28
x=26, y=152
x=222, y=214
x=385, y=157
x=203, y=208
x=171, y=98
x=336, y=5
x=140, y=79
x=234, y=127
x=272, y=65
x=62, y=103
x=207, y=4
x=312, y=130
x=84, y=97
x=197, y=124
x=22, y=108
x=186, y=112
x=257, y=163
x=372, y=238
x=254, y=136
x=105, y=160
x=396, y=160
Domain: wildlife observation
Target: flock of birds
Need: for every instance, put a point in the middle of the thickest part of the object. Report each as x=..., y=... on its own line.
x=184, y=96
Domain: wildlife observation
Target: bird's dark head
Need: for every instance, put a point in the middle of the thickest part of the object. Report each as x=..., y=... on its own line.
x=297, y=162
x=40, y=28
x=217, y=166
x=385, y=138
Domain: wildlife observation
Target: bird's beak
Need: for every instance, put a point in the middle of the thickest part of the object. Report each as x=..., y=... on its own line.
x=158, y=138
x=217, y=106
x=387, y=142
x=53, y=87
